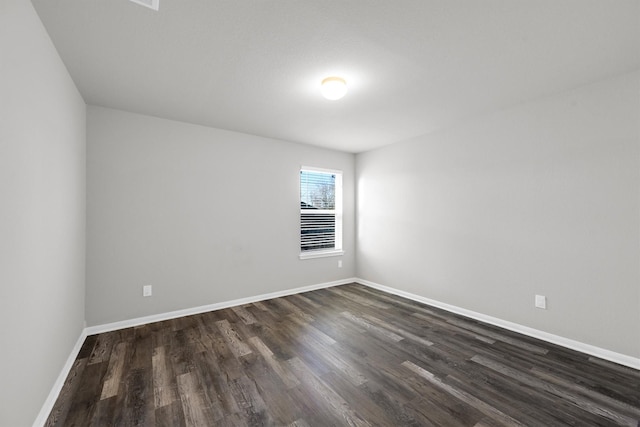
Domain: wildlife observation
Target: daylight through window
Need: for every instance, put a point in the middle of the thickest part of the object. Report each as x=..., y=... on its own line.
x=320, y=212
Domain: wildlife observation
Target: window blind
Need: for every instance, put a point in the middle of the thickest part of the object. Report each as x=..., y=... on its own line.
x=319, y=218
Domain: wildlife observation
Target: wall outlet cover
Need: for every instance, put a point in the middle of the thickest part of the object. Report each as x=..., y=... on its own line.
x=541, y=302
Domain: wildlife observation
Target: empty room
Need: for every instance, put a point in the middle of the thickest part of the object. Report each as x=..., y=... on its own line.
x=320, y=213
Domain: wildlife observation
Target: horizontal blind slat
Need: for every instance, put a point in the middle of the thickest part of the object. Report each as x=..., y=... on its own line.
x=317, y=210
x=317, y=231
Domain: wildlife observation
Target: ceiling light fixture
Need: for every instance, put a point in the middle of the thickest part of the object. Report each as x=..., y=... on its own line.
x=334, y=88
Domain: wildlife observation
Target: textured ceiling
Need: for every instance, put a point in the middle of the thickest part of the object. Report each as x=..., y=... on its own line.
x=413, y=66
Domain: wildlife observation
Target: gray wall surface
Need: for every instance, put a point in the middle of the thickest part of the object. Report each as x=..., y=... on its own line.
x=42, y=213
x=539, y=199
x=203, y=215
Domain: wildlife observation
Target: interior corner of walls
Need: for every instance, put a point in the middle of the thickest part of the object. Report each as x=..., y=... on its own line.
x=50, y=401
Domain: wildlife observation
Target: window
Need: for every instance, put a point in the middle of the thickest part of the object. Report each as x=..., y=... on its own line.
x=320, y=212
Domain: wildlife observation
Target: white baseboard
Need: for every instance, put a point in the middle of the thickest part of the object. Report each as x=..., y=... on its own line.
x=41, y=419
x=92, y=330
x=602, y=353
x=621, y=359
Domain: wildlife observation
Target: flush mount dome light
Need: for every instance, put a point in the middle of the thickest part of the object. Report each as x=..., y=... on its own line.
x=334, y=88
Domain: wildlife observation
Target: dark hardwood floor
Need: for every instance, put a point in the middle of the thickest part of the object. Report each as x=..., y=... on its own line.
x=348, y=355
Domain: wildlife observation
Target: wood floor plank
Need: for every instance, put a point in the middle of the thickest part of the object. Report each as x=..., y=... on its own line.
x=195, y=408
x=244, y=315
x=170, y=415
x=307, y=301
x=102, y=348
x=299, y=423
x=358, y=299
x=334, y=401
x=344, y=366
x=236, y=344
x=164, y=383
x=273, y=336
x=358, y=400
x=309, y=329
x=401, y=332
x=250, y=402
x=557, y=391
x=282, y=408
x=371, y=327
x=294, y=309
x=438, y=323
x=105, y=412
x=138, y=408
x=492, y=389
x=65, y=398
x=114, y=371
x=474, y=401
x=180, y=353
x=87, y=347
x=432, y=412
x=392, y=405
x=288, y=379
x=215, y=383
x=625, y=408
x=625, y=371
x=483, y=331
x=348, y=355
x=436, y=407
x=85, y=399
x=260, y=306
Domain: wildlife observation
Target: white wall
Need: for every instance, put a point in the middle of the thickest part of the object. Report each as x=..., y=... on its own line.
x=203, y=215
x=539, y=199
x=42, y=213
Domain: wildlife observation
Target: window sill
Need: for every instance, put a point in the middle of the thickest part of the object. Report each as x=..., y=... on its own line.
x=321, y=254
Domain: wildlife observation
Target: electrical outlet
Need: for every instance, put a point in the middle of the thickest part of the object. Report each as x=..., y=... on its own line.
x=146, y=291
x=339, y=263
x=541, y=302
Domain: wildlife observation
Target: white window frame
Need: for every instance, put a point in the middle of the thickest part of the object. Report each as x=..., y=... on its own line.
x=337, y=249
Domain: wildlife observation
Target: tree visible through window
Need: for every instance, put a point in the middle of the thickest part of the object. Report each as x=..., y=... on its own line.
x=320, y=210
